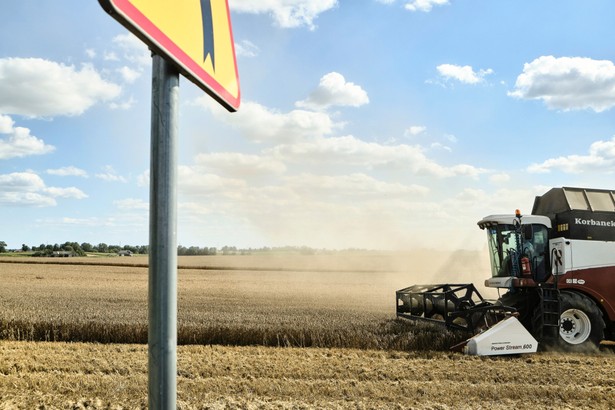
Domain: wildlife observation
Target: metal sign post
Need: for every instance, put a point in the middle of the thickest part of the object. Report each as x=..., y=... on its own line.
x=203, y=50
x=162, y=293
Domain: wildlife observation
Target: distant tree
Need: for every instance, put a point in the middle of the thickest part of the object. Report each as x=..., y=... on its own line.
x=103, y=247
x=87, y=247
x=25, y=248
x=73, y=247
x=2, y=246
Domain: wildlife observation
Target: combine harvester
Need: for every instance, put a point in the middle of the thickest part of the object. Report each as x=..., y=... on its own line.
x=558, y=267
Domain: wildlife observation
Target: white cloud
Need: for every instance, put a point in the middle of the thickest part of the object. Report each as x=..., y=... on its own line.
x=350, y=186
x=568, y=83
x=134, y=50
x=424, y=5
x=110, y=56
x=246, y=48
x=351, y=151
x=131, y=203
x=91, y=53
x=601, y=157
x=194, y=181
x=415, y=130
x=286, y=13
x=440, y=146
x=261, y=124
x=110, y=175
x=28, y=189
x=334, y=90
x=240, y=165
x=128, y=74
x=499, y=178
x=20, y=143
x=464, y=74
x=70, y=192
x=68, y=171
x=122, y=105
x=35, y=87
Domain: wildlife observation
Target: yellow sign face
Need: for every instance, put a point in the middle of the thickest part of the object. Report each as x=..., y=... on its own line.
x=195, y=34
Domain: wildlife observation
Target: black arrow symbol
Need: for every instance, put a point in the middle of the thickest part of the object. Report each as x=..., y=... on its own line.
x=208, y=32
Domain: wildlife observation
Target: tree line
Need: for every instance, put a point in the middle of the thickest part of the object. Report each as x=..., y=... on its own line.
x=81, y=249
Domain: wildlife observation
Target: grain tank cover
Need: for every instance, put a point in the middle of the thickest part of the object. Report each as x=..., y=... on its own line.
x=579, y=213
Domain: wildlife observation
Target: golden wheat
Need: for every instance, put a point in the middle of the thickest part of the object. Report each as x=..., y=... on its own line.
x=108, y=304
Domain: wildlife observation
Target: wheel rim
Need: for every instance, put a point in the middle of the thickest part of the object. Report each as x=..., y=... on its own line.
x=575, y=326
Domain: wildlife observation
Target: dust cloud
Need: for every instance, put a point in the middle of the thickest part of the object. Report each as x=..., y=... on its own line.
x=348, y=280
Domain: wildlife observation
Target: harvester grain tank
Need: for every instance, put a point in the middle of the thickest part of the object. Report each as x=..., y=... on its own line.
x=557, y=267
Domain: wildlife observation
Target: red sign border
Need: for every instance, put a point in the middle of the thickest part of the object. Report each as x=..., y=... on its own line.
x=136, y=22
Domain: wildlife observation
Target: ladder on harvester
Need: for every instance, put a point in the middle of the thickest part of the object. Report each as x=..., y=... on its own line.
x=546, y=319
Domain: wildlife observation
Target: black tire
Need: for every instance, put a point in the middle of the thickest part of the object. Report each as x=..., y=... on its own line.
x=581, y=322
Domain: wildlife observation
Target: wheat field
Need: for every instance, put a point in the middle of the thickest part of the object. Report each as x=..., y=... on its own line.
x=293, y=301
x=287, y=332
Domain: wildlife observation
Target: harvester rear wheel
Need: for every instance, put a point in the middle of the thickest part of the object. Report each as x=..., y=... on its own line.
x=581, y=322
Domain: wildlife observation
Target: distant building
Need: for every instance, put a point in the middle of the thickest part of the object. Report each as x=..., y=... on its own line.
x=124, y=253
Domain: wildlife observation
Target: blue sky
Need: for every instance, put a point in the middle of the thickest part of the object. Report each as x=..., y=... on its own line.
x=373, y=124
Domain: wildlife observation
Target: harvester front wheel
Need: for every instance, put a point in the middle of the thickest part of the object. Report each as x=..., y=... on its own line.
x=581, y=322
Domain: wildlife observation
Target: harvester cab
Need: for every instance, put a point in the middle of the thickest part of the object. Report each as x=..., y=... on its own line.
x=518, y=247
x=557, y=268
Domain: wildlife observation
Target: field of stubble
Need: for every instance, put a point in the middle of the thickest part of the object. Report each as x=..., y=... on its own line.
x=327, y=323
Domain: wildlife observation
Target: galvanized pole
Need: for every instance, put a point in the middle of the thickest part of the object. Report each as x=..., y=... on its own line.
x=162, y=297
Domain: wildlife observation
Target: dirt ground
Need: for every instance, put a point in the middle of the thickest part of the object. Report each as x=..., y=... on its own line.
x=94, y=376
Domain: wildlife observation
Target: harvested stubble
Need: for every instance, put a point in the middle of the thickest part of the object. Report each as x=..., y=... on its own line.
x=33, y=375
x=108, y=304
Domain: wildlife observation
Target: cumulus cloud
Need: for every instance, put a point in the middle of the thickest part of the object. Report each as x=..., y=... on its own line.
x=240, y=165
x=68, y=171
x=286, y=13
x=110, y=175
x=133, y=49
x=601, y=157
x=334, y=90
x=499, y=178
x=19, y=143
x=29, y=189
x=264, y=125
x=424, y=5
x=415, y=130
x=568, y=83
x=352, y=185
x=194, y=181
x=128, y=74
x=70, y=192
x=464, y=74
x=35, y=87
x=349, y=150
